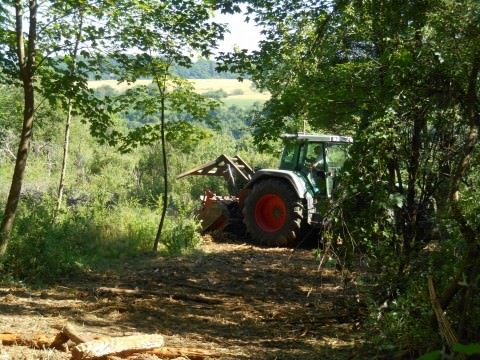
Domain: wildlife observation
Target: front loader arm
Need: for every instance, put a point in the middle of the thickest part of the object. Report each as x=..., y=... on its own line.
x=234, y=170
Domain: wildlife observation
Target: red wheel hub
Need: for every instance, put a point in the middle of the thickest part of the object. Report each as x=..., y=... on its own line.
x=270, y=212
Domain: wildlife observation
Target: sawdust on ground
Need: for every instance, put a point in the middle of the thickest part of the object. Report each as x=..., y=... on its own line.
x=242, y=301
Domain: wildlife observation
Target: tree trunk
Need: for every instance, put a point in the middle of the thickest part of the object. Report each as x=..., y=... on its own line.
x=27, y=69
x=413, y=169
x=410, y=211
x=66, y=143
x=162, y=89
x=68, y=121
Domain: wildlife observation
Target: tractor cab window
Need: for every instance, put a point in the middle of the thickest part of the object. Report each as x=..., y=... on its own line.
x=312, y=162
x=288, y=157
x=336, y=155
x=311, y=157
x=315, y=156
x=321, y=163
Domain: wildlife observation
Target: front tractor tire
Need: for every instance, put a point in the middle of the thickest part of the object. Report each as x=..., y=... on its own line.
x=273, y=213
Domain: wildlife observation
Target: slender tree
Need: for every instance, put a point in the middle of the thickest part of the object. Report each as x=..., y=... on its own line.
x=164, y=34
x=68, y=120
x=160, y=79
x=26, y=62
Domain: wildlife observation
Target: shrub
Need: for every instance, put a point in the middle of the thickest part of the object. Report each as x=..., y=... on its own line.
x=89, y=236
x=82, y=238
x=180, y=235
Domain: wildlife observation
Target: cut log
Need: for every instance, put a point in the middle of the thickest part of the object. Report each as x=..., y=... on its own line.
x=125, y=345
x=70, y=332
x=78, y=338
x=37, y=341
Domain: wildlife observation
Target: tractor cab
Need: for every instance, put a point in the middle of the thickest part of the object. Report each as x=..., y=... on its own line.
x=317, y=158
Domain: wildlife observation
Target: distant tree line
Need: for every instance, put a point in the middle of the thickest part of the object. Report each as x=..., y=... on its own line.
x=200, y=69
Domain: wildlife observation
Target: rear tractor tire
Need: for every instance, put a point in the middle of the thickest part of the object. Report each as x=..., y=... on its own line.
x=273, y=213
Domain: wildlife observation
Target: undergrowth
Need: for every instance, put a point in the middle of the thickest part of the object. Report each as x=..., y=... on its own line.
x=404, y=322
x=86, y=238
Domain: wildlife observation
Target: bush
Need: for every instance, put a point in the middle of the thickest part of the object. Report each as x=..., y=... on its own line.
x=89, y=236
x=404, y=323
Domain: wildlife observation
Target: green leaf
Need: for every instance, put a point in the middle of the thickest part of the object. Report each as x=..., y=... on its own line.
x=469, y=349
x=433, y=355
x=397, y=199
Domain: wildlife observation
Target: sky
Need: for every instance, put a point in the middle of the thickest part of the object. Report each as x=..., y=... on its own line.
x=242, y=34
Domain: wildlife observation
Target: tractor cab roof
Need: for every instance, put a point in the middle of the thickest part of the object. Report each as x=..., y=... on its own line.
x=318, y=138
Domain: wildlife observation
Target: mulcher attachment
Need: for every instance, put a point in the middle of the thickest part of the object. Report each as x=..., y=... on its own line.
x=222, y=212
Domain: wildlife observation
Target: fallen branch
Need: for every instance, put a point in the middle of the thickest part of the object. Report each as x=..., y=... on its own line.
x=69, y=332
x=106, y=291
x=443, y=325
x=37, y=341
x=72, y=333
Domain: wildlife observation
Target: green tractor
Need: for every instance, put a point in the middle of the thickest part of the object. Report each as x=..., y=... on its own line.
x=275, y=206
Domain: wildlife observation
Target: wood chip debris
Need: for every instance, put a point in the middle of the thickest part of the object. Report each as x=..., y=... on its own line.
x=94, y=346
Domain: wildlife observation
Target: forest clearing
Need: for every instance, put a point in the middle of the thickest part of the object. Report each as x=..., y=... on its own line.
x=351, y=149
x=234, y=299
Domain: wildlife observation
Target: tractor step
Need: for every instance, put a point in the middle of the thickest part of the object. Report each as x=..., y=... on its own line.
x=317, y=220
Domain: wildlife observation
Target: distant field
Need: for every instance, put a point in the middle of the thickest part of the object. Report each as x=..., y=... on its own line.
x=231, y=86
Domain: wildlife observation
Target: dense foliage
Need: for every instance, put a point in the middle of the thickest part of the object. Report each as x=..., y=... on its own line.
x=402, y=78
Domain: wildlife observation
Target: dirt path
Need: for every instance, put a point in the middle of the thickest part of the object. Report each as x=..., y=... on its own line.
x=242, y=301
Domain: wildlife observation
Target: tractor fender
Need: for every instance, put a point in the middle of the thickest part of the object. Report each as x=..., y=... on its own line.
x=295, y=181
